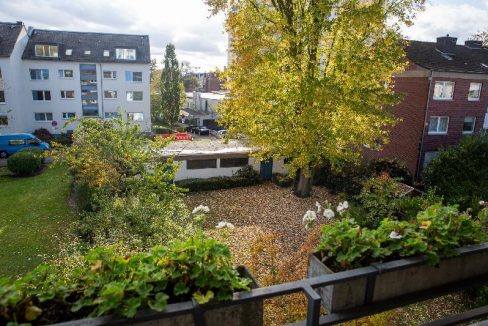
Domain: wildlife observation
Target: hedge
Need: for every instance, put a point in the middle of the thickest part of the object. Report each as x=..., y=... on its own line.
x=216, y=183
x=25, y=163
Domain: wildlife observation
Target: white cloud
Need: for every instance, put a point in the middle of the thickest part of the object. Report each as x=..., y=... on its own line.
x=457, y=19
x=198, y=39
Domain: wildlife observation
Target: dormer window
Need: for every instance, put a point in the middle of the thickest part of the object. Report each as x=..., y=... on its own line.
x=87, y=52
x=69, y=51
x=50, y=51
x=125, y=54
x=106, y=53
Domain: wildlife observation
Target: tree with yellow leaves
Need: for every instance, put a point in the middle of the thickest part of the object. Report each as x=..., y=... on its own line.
x=311, y=80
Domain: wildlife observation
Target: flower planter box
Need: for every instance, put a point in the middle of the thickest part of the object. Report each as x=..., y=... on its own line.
x=247, y=314
x=399, y=278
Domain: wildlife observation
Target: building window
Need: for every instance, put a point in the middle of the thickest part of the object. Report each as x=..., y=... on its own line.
x=438, y=125
x=112, y=115
x=135, y=116
x=39, y=74
x=110, y=74
x=468, y=125
x=133, y=76
x=125, y=54
x=67, y=94
x=474, y=91
x=201, y=164
x=109, y=95
x=428, y=157
x=45, y=116
x=87, y=52
x=234, y=162
x=3, y=120
x=50, y=51
x=443, y=90
x=2, y=97
x=69, y=51
x=106, y=53
x=65, y=73
x=41, y=95
x=134, y=96
x=68, y=115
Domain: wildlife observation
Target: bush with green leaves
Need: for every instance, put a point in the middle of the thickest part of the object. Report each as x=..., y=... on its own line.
x=124, y=185
x=109, y=283
x=379, y=199
x=216, y=183
x=25, y=163
x=438, y=230
x=460, y=173
x=346, y=178
x=395, y=168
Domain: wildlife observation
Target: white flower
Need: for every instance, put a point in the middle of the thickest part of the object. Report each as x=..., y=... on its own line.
x=342, y=206
x=200, y=209
x=482, y=202
x=224, y=224
x=319, y=207
x=345, y=204
x=328, y=213
x=395, y=235
x=309, y=218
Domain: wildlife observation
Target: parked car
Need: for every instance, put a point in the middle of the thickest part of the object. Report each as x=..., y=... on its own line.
x=221, y=133
x=191, y=128
x=11, y=143
x=203, y=130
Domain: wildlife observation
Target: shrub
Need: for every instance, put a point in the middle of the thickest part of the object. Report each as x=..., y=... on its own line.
x=282, y=180
x=379, y=199
x=437, y=231
x=247, y=172
x=64, y=139
x=25, y=163
x=395, y=168
x=460, y=173
x=216, y=183
x=347, y=178
x=109, y=283
x=43, y=134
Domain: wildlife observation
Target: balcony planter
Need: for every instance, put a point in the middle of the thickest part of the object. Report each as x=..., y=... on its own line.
x=181, y=314
x=399, y=277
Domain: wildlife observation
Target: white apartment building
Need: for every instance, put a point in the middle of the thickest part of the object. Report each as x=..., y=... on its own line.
x=49, y=76
x=200, y=107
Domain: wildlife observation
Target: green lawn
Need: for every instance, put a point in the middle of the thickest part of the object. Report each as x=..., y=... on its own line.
x=34, y=218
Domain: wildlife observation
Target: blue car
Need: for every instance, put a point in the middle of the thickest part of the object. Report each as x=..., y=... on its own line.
x=11, y=143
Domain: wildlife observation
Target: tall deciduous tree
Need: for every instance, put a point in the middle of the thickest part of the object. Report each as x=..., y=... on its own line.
x=482, y=36
x=311, y=80
x=170, y=87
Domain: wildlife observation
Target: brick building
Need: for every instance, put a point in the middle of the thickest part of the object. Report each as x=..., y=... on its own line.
x=445, y=91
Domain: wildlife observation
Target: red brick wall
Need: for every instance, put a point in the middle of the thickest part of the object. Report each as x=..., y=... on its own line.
x=406, y=135
x=456, y=109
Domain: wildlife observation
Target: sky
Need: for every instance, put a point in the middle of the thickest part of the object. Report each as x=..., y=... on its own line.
x=199, y=38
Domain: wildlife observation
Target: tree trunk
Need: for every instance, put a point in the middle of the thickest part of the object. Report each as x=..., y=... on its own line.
x=304, y=186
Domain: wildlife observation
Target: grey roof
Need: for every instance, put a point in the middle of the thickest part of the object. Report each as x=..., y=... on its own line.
x=9, y=32
x=80, y=42
x=463, y=59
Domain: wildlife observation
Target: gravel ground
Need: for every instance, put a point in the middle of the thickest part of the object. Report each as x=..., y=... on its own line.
x=264, y=207
x=270, y=239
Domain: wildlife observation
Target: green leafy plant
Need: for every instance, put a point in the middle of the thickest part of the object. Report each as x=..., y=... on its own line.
x=378, y=199
x=109, y=283
x=438, y=230
x=25, y=163
x=282, y=180
x=460, y=173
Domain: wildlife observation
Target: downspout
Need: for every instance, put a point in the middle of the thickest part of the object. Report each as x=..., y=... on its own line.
x=101, y=89
x=421, y=149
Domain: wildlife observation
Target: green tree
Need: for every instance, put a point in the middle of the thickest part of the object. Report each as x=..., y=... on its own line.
x=170, y=87
x=311, y=80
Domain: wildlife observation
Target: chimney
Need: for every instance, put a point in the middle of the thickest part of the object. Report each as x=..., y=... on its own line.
x=446, y=44
x=474, y=44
